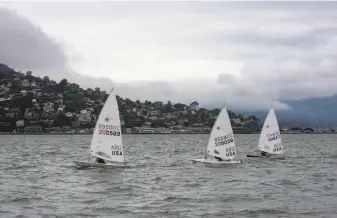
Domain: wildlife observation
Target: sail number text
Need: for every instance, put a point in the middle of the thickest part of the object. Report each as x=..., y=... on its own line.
x=112, y=130
x=223, y=140
x=273, y=136
x=116, y=150
x=277, y=147
x=230, y=151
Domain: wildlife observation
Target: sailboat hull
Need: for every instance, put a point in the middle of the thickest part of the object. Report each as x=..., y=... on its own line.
x=250, y=155
x=270, y=157
x=216, y=162
x=83, y=164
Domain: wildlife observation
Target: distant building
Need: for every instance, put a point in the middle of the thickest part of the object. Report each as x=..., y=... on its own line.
x=143, y=130
x=48, y=107
x=84, y=116
x=128, y=130
x=33, y=129
x=56, y=129
x=20, y=123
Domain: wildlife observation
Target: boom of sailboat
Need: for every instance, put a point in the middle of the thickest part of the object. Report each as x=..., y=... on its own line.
x=107, y=145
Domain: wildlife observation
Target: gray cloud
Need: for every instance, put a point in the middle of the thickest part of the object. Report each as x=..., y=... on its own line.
x=226, y=79
x=288, y=50
x=25, y=47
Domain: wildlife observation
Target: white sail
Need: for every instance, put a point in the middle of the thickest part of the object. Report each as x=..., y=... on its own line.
x=270, y=137
x=107, y=137
x=221, y=141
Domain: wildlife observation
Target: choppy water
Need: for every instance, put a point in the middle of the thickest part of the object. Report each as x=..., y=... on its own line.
x=37, y=179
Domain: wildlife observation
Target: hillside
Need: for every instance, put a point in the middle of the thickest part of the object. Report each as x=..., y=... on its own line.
x=33, y=104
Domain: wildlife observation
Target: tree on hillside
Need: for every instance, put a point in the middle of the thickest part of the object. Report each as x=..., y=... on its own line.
x=308, y=129
x=158, y=123
x=158, y=104
x=210, y=122
x=97, y=90
x=231, y=114
x=167, y=108
x=29, y=76
x=29, y=73
x=63, y=82
x=203, y=116
x=186, y=124
x=215, y=112
x=46, y=78
x=194, y=105
x=70, y=108
x=202, y=110
x=296, y=129
x=179, y=106
x=128, y=102
x=16, y=85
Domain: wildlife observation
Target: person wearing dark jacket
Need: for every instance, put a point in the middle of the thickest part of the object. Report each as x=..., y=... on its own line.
x=218, y=158
x=263, y=153
x=100, y=160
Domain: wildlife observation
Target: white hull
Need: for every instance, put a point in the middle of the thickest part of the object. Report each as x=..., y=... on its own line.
x=84, y=164
x=216, y=162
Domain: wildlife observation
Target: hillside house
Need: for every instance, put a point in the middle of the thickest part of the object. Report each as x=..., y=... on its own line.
x=171, y=115
x=61, y=107
x=25, y=83
x=236, y=120
x=147, y=124
x=36, y=106
x=29, y=115
x=48, y=107
x=69, y=114
x=20, y=123
x=84, y=116
x=154, y=112
x=33, y=129
x=56, y=129
x=182, y=121
x=66, y=128
x=33, y=84
x=23, y=92
x=198, y=124
x=10, y=115
x=37, y=92
x=206, y=129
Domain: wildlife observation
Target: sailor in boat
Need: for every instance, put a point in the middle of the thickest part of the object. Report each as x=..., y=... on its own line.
x=100, y=160
x=218, y=158
x=263, y=153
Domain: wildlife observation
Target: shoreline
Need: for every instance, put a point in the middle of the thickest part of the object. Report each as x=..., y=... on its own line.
x=194, y=133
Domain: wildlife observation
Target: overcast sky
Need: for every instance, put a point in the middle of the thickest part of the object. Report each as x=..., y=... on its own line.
x=249, y=55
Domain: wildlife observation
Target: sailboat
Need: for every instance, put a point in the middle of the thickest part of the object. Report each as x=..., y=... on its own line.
x=270, y=137
x=221, y=142
x=106, y=141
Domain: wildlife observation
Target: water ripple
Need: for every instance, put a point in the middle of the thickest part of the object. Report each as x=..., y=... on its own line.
x=37, y=179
